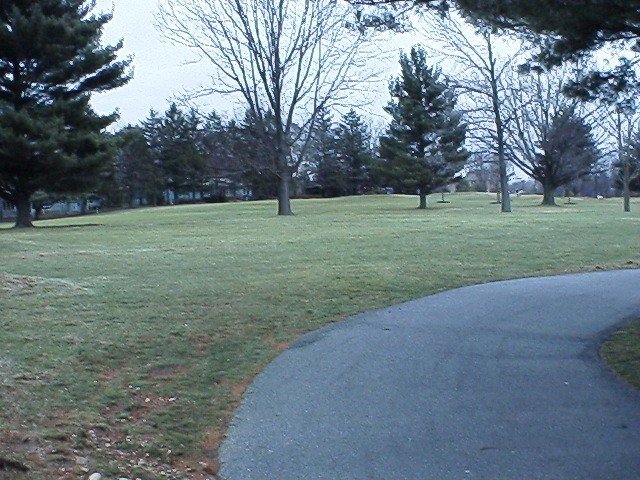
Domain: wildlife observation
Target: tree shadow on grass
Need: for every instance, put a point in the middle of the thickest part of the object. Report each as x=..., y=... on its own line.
x=80, y=225
x=542, y=205
x=50, y=227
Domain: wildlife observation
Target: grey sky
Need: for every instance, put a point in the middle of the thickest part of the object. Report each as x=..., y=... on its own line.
x=159, y=70
x=163, y=70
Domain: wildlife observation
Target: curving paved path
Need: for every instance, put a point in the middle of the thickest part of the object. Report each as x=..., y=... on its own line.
x=497, y=381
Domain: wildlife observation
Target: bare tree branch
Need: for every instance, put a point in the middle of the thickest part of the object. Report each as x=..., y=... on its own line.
x=286, y=58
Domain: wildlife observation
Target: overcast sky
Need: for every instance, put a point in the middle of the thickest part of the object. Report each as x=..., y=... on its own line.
x=162, y=70
x=159, y=67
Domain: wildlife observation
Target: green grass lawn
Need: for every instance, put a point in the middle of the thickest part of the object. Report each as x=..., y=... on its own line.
x=130, y=337
x=622, y=353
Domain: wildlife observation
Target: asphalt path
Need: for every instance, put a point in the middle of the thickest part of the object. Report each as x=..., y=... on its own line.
x=496, y=381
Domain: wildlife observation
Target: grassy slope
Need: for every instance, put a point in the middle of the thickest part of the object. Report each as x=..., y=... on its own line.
x=136, y=336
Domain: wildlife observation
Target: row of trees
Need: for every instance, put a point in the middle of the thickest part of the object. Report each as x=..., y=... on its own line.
x=190, y=156
x=556, y=34
x=484, y=89
x=186, y=153
x=503, y=116
x=547, y=135
x=291, y=63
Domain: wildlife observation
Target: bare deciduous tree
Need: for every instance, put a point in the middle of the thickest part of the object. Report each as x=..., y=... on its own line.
x=482, y=76
x=550, y=134
x=284, y=58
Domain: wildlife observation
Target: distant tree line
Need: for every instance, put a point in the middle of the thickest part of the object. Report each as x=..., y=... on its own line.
x=429, y=144
x=184, y=156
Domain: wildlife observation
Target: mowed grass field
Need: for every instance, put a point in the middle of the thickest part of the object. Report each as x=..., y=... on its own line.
x=129, y=338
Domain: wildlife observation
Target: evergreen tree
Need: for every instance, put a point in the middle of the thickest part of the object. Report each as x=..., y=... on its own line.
x=257, y=154
x=549, y=138
x=567, y=152
x=176, y=142
x=223, y=169
x=51, y=60
x=423, y=147
x=135, y=171
x=353, y=149
x=181, y=157
x=329, y=172
x=151, y=128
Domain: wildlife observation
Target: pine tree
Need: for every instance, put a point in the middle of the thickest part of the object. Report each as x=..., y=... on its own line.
x=219, y=142
x=152, y=130
x=353, y=150
x=135, y=171
x=329, y=172
x=567, y=152
x=177, y=145
x=257, y=154
x=51, y=60
x=423, y=147
x=183, y=159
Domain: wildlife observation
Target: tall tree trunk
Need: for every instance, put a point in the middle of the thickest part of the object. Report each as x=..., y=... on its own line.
x=284, y=194
x=23, y=220
x=626, y=168
x=497, y=112
x=423, y=200
x=282, y=167
x=549, y=195
x=83, y=205
x=504, y=182
x=626, y=180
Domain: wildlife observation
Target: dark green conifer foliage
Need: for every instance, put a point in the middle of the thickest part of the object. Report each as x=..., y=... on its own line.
x=176, y=141
x=51, y=60
x=135, y=171
x=573, y=26
x=353, y=148
x=564, y=29
x=330, y=174
x=257, y=154
x=569, y=30
x=423, y=147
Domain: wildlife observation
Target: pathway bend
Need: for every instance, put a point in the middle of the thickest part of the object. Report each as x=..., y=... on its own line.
x=495, y=381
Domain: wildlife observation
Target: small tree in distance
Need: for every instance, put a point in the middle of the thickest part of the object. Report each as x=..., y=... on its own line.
x=135, y=172
x=567, y=153
x=424, y=145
